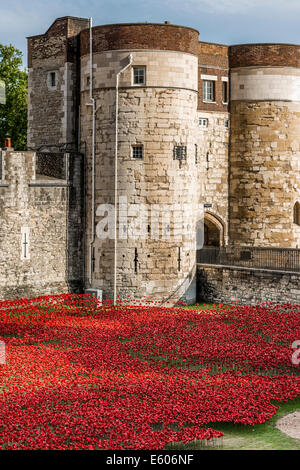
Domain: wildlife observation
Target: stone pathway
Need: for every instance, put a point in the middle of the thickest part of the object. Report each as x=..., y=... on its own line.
x=290, y=424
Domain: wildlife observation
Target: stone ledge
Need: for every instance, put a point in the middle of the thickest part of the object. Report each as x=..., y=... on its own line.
x=55, y=184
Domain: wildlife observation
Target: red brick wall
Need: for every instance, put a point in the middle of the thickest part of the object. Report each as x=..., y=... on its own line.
x=141, y=36
x=213, y=60
x=213, y=54
x=272, y=55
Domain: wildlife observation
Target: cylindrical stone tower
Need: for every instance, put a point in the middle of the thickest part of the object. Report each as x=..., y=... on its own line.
x=265, y=139
x=157, y=120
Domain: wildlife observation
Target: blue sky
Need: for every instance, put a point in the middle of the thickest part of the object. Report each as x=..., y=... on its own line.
x=221, y=21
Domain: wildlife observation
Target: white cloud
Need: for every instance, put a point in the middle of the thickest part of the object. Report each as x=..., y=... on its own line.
x=237, y=7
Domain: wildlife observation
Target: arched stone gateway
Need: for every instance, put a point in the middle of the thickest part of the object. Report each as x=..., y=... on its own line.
x=213, y=230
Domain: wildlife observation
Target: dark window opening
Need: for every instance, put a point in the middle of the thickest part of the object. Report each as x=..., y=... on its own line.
x=297, y=213
x=136, y=259
x=179, y=258
x=53, y=79
x=179, y=152
x=137, y=152
x=225, y=92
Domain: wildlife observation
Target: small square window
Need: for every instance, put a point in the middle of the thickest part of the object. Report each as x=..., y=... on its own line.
x=179, y=152
x=203, y=122
x=226, y=123
x=139, y=75
x=209, y=91
x=138, y=152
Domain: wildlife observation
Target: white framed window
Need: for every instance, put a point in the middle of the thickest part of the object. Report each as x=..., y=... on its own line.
x=137, y=151
x=203, y=122
x=139, y=75
x=209, y=91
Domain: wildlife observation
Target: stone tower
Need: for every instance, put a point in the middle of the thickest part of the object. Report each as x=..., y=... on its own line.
x=157, y=135
x=53, y=85
x=264, y=151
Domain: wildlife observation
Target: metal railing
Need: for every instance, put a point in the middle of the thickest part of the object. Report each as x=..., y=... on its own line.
x=281, y=259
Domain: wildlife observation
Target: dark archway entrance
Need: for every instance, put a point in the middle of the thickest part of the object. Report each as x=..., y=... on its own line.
x=211, y=234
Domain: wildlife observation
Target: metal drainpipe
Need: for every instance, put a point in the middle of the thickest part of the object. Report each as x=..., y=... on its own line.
x=116, y=173
x=93, y=151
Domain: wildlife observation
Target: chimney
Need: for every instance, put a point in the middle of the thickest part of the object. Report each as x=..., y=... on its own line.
x=7, y=144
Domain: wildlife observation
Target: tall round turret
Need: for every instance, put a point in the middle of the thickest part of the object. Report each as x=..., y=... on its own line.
x=157, y=99
x=265, y=140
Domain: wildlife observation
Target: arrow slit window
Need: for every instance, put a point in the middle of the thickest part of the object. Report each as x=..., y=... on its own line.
x=25, y=243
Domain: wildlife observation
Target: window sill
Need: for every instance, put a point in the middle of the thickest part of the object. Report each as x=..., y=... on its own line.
x=209, y=102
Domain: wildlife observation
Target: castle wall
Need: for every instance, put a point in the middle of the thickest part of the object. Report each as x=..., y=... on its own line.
x=213, y=142
x=159, y=115
x=226, y=285
x=53, y=107
x=40, y=224
x=264, y=151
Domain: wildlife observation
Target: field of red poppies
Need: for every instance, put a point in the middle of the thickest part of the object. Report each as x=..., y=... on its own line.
x=83, y=376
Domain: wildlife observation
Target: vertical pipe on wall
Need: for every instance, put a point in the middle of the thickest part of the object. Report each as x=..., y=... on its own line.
x=93, y=151
x=116, y=174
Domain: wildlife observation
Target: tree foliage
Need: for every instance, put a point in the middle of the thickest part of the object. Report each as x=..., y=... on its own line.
x=13, y=115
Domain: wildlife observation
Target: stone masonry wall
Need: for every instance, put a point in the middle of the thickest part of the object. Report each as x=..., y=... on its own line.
x=218, y=284
x=213, y=143
x=52, y=110
x=158, y=116
x=49, y=212
x=264, y=173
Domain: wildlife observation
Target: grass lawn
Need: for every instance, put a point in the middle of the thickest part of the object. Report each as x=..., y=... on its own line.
x=258, y=437
x=93, y=377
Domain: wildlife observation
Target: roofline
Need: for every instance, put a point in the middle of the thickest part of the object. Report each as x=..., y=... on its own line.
x=56, y=19
x=213, y=43
x=144, y=23
x=265, y=44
